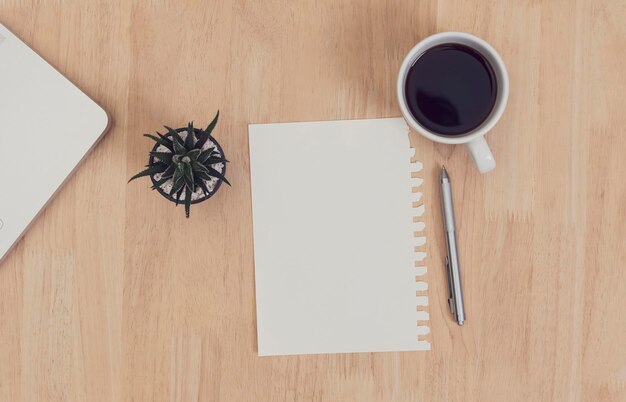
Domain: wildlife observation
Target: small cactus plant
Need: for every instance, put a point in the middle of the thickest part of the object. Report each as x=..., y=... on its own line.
x=186, y=165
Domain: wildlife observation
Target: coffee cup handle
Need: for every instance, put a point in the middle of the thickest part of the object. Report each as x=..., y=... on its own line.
x=480, y=152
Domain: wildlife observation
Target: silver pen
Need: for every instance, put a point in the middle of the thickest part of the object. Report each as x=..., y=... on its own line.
x=453, y=269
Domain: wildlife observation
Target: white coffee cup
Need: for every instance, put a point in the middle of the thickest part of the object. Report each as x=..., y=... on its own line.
x=474, y=140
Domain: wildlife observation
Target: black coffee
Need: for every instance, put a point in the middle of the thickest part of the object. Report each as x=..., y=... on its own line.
x=451, y=89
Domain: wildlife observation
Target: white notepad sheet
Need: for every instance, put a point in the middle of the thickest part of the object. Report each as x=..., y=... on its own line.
x=338, y=259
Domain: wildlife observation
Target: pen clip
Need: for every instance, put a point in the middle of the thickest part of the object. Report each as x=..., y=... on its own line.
x=450, y=292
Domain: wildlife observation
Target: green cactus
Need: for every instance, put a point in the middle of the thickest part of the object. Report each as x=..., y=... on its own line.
x=185, y=162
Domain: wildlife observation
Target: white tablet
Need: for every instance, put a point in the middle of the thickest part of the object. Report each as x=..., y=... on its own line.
x=47, y=126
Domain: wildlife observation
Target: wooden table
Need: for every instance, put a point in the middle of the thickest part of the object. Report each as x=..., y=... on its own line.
x=114, y=296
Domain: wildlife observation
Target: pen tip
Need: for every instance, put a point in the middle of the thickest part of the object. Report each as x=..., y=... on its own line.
x=444, y=172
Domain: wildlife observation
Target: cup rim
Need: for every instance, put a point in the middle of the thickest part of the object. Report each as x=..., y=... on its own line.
x=454, y=37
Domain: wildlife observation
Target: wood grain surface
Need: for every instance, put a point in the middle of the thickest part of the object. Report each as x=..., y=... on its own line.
x=113, y=296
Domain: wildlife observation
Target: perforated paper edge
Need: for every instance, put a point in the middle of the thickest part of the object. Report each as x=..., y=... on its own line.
x=419, y=254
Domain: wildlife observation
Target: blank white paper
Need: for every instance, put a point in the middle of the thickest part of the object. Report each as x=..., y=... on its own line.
x=337, y=264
